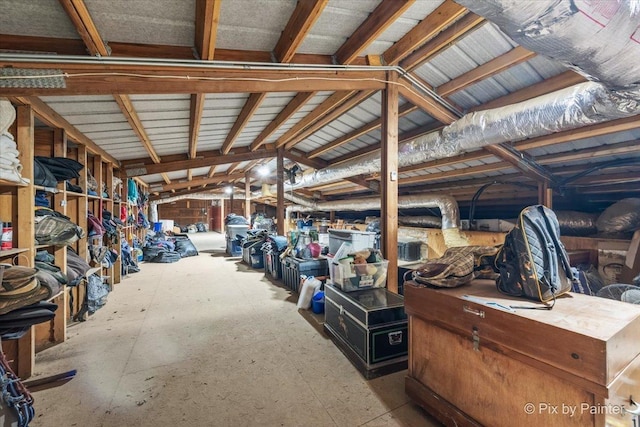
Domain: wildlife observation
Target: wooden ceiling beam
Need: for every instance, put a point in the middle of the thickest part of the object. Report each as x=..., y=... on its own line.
x=332, y=115
x=12, y=42
x=302, y=19
x=404, y=137
x=125, y=104
x=50, y=117
x=301, y=158
x=77, y=12
x=250, y=107
x=166, y=179
x=320, y=111
x=456, y=173
x=203, y=160
x=195, y=117
x=285, y=114
x=515, y=56
x=216, y=179
x=102, y=78
x=363, y=130
x=560, y=81
x=376, y=23
x=212, y=171
x=81, y=19
x=528, y=166
x=606, y=128
x=206, y=23
x=432, y=107
x=232, y=167
x=617, y=149
x=446, y=38
x=428, y=28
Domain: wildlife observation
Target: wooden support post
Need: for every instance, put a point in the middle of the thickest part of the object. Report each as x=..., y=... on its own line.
x=82, y=203
x=55, y=331
x=280, y=192
x=389, y=180
x=25, y=228
x=545, y=195
x=247, y=195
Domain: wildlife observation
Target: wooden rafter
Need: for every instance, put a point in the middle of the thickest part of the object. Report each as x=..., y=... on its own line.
x=250, y=107
x=207, y=18
x=560, y=81
x=376, y=23
x=195, y=117
x=216, y=179
x=302, y=19
x=434, y=108
x=515, y=56
x=492, y=167
x=456, y=31
x=335, y=112
x=166, y=179
x=529, y=167
x=232, y=167
x=404, y=137
x=125, y=104
x=285, y=114
x=204, y=159
x=433, y=24
x=212, y=171
x=375, y=124
x=79, y=15
x=320, y=111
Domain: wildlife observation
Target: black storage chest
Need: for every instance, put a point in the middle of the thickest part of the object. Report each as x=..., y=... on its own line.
x=293, y=268
x=370, y=327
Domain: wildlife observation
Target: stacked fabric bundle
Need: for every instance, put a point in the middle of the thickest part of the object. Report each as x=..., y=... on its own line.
x=10, y=167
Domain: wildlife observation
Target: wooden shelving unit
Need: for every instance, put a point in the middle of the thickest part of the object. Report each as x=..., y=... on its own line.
x=17, y=203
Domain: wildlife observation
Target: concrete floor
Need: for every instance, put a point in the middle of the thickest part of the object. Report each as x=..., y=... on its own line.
x=208, y=342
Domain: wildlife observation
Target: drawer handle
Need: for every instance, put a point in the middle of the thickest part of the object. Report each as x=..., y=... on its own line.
x=473, y=311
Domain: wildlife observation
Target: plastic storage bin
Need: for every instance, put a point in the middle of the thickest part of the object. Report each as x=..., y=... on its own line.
x=358, y=239
x=357, y=277
x=233, y=230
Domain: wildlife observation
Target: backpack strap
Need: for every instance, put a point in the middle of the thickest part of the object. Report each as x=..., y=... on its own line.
x=561, y=253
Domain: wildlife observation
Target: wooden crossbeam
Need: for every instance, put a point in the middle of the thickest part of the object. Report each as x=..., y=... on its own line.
x=216, y=179
x=206, y=23
x=302, y=19
x=249, y=108
x=433, y=24
x=376, y=23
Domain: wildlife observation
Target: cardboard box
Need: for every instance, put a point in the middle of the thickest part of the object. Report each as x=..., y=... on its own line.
x=611, y=259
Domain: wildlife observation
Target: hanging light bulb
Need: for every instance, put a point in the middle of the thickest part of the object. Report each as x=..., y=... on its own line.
x=263, y=170
x=228, y=190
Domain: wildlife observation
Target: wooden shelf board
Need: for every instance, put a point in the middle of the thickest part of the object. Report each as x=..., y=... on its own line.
x=47, y=189
x=56, y=295
x=93, y=197
x=11, y=252
x=74, y=194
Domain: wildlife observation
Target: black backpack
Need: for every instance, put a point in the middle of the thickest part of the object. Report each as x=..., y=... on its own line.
x=533, y=263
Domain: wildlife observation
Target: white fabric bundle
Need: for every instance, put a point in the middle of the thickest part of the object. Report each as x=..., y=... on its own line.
x=10, y=167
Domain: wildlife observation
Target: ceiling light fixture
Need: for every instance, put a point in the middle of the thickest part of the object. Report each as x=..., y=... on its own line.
x=263, y=170
x=228, y=190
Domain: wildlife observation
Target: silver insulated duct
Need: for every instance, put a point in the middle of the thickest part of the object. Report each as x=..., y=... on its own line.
x=570, y=108
x=599, y=39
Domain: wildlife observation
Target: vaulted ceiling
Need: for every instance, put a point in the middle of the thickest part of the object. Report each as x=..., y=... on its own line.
x=218, y=86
